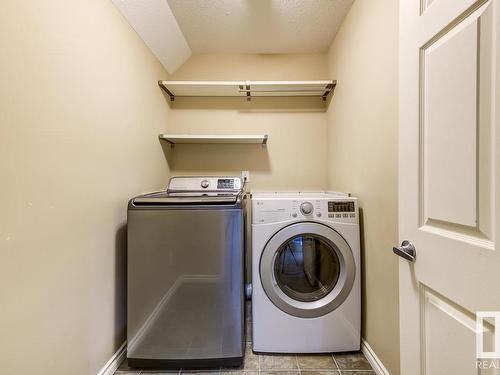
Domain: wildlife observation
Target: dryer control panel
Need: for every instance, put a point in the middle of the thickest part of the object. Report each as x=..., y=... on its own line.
x=322, y=208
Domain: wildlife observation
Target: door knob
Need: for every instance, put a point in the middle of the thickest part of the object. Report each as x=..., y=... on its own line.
x=406, y=250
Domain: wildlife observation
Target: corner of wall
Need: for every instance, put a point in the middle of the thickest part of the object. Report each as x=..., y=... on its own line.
x=362, y=131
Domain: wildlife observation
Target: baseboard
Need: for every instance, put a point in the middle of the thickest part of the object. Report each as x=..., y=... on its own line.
x=115, y=361
x=374, y=360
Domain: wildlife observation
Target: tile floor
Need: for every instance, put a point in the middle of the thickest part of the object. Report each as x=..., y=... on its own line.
x=278, y=364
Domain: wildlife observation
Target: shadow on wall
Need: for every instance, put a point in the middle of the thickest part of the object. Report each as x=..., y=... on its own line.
x=217, y=157
x=255, y=105
x=120, y=285
x=363, y=270
x=236, y=115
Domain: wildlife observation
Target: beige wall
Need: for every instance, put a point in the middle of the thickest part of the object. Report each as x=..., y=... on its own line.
x=362, y=156
x=295, y=157
x=79, y=116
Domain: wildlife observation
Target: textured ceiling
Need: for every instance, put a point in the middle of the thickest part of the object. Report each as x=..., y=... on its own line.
x=259, y=26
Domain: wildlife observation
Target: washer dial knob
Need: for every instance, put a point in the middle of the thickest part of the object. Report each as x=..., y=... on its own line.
x=306, y=208
x=205, y=184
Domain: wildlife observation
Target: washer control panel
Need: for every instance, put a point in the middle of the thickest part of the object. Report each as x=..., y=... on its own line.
x=268, y=210
x=186, y=184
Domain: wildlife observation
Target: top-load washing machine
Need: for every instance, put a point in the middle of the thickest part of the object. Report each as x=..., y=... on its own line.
x=305, y=273
x=185, y=275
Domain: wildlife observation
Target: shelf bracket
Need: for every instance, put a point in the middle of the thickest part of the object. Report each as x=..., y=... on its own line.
x=161, y=138
x=249, y=96
x=329, y=89
x=167, y=91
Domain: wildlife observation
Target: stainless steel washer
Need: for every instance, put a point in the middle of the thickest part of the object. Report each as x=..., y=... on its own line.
x=185, y=275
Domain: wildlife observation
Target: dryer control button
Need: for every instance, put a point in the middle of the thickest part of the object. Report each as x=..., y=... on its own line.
x=294, y=214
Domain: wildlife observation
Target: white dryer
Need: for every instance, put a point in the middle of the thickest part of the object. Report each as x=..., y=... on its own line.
x=306, y=294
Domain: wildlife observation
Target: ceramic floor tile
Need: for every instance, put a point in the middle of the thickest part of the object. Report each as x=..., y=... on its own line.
x=278, y=362
x=324, y=372
x=280, y=372
x=251, y=360
x=355, y=372
x=352, y=361
x=316, y=362
x=154, y=371
x=239, y=372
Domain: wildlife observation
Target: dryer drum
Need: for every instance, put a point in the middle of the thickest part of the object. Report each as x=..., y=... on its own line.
x=306, y=267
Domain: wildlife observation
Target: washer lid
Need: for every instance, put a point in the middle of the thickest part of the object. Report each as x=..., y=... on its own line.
x=307, y=269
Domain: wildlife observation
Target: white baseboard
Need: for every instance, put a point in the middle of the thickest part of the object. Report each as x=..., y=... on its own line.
x=115, y=361
x=375, y=361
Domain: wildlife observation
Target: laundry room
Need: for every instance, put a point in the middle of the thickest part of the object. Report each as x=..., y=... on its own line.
x=242, y=187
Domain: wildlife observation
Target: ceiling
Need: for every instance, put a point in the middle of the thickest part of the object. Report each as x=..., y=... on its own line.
x=174, y=29
x=259, y=26
x=156, y=25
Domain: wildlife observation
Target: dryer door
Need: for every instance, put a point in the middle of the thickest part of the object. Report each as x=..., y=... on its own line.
x=307, y=269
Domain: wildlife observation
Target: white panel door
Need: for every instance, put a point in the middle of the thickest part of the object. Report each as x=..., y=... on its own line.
x=449, y=183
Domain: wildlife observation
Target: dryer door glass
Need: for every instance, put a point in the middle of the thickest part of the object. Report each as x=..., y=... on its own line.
x=306, y=268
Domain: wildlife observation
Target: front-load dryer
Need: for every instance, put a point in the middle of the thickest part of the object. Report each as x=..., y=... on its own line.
x=306, y=273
